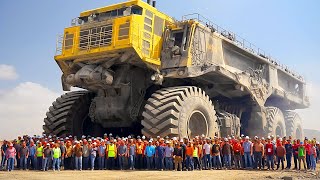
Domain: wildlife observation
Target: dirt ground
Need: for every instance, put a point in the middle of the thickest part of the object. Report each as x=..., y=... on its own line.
x=214, y=174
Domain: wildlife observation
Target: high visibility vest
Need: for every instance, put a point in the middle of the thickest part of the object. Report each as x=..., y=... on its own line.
x=56, y=153
x=195, y=152
x=111, y=150
x=39, y=151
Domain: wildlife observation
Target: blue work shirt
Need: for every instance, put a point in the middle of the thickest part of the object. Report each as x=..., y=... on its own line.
x=160, y=151
x=247, y=146
x=32, y=150
x=150, y=151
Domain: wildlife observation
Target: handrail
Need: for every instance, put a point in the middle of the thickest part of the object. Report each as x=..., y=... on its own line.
x=240, y=42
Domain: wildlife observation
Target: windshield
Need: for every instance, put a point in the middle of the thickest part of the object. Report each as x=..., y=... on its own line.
x=97, y=17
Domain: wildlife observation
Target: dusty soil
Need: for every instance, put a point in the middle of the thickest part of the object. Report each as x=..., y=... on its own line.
x=154, y=175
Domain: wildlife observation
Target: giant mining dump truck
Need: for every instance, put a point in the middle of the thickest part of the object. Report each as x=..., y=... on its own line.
x=144, y=72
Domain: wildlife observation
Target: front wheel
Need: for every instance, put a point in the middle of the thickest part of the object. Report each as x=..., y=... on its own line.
x=179, y=112
x=68, y=115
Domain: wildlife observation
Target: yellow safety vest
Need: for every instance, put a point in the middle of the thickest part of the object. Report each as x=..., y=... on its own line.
x=195, y=152
x=56, y=153
x=39, y=151
x=111, y=150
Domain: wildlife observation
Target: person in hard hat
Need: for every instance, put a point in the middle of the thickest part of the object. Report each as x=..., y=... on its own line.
x=122, y=154
x=313, y=156
x=189, y=157
x=280, y=153
x=237, y=151
x=47, y=153
x=56, y=157
x=68, y=156
x=139, y=153
x=289, y=151
x=296, y=144
x=226, y=152
x=206, y=153
x=302, y=156
x=102, y=155
x=132, y=154
x=258, y=151
x=247, y=149
x=77, y=150
x=215, y=153
x=31, y=161
x=23, y=155
x=168, y=153
x=269, y=151
x=85, y=153
x=159, y=156
x=177, y=156
x=149, y=153
x=93, y=154
x=4, y=148
x=10, y=155
x=111, y=153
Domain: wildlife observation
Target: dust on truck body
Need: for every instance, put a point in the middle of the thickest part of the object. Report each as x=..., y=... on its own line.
x=145, y=72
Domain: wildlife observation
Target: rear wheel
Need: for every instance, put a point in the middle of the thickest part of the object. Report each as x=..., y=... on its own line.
x=294, y=125
x=68, y=115
x=275, y=122
x=179, y=112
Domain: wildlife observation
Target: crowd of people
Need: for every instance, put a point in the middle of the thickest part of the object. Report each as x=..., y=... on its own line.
x=45, y=153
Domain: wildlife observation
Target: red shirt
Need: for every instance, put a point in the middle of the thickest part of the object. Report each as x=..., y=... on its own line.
x=269, y=149
x=237, y=148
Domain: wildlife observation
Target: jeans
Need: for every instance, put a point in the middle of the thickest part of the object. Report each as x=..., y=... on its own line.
x=10, y=164
x=289, y=159
x=280, y=159
x=149, y=163
x=23, y=162
x=68, y=163
x=258, y=160
x=85, y=162
x=78, y=163
x=216, y=162
x=101, y=162
x=238, y=160
x=189, y=163
x=169, y=163
x=207, y=161
x=132, y=159
x=39, y=163
x=3, y=161
x=111, y=163
x=160, y=163
x=139, y=161
x=196, y=163
x=295, y=160
x=227, y=160
x=121, y=162
x=308, y=160
x=270, y=161
x=313, y=162
x=45, y=164
x=248, y=160
x=92, y=159
x=56, y=163
x=32, y=162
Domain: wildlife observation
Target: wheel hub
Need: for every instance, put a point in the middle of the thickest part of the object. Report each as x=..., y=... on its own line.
x=197, y=124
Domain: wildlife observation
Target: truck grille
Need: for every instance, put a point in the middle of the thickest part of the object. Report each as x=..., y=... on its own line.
x=94, y=37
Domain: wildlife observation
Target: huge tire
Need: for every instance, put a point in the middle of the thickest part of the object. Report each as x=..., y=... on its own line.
x=68, y=115
x=179, y=112
x=275, y=122
x=294, y=125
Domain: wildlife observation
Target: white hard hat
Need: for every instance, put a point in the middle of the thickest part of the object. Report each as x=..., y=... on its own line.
x=225, y=139
x=247, y=137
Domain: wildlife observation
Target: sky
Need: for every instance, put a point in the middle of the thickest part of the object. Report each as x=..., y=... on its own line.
x=30, y=78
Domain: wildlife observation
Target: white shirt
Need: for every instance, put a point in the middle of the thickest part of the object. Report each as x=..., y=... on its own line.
x=206, y=148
